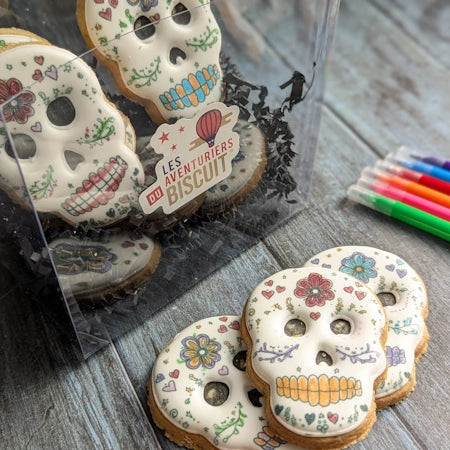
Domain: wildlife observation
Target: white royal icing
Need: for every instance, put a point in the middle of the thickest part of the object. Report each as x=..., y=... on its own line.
x=89, y=266
x=77, y=163
x=175, y=65
x=244, y=166
x=206, y=352
x=321, y=383
x=385, y=272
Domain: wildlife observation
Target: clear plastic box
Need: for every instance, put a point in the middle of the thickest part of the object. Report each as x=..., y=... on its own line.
x=194, y=103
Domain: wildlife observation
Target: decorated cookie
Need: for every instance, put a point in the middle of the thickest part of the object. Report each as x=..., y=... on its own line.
x=162, y=54
x=73, y=145
x=406, y=309
x=200, y=394
x=316, y=351
x=93, y=268
x=10, y=36
x=248, y=167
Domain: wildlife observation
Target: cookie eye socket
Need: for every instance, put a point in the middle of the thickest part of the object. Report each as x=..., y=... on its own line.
x=24, y=145
x=73, y=159
x=240, y=360
x=254, y=396
x=61, y=112
x=295, y=328
x=180, y=14
x=216, y=393
x=144, y=28
x=341, y=326
x=387, y=298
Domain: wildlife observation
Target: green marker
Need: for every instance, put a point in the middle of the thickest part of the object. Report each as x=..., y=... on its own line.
x=398, y=210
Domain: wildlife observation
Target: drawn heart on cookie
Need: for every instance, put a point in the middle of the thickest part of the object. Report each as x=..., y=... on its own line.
x=170, y=387
x=222, y=329
x=267, y=294
x=159, y=377
x=223, y=371
x=114, y=3
x=280, y=289
x=315, y=261
x=105, y=14
x=348, y=289
x=223, y=319
x=310, y=418
x=37, y=127
x=390, y=267
x=235, y=325
x=360, y=294
x=124, y=199
x=314, y=316
x=269, y=283
x=332, y=417
x=278, y=409
x=39, y=60
x=174, y=374
x=127, y=244
x=400, y=262
x=37, y=75
x=358, y=284
x=401, y=273
x=326, y=266
x=52, y=72
x=143, y=246
x=99, y=1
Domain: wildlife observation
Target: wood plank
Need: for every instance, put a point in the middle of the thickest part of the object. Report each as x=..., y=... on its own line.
x=426, y=22
x=48, y=398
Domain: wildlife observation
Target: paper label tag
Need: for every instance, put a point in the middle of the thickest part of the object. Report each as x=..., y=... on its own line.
x=197, y=155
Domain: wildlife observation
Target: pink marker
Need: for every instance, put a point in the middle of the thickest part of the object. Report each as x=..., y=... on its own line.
x=405, y=197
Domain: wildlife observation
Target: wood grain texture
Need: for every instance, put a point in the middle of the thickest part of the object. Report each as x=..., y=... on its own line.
x=387, y=85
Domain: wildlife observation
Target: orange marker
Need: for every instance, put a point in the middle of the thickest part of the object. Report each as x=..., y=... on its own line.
x=409, y=186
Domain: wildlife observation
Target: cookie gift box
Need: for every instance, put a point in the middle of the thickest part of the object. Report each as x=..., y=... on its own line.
x=141, y=138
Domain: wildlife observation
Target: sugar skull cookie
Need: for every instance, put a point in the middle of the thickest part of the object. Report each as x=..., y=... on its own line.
x=75, y=149
x=316, y=351
x=162, y=54
x=200, y=394
x=93, y=268
x=406, y=310
x=10, y=36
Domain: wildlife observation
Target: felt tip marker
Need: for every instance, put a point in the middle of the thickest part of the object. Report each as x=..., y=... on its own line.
x=432, y=160
x=419, y=166
x=410, y=199
x=425, y=180
x=398, y=210
x=409, y=186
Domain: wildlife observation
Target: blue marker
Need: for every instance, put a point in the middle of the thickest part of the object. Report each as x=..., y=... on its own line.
x=421, y=167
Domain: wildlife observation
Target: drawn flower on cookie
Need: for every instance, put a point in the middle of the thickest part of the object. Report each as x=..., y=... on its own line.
x=19, y=108
x=200, y=351
x=144, y=4
x=359, y=266
x=315, y=288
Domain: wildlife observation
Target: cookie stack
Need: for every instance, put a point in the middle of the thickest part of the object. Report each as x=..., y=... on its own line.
x=316, y=352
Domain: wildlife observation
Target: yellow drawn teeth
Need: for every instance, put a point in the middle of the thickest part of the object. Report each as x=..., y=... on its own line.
x=318, y=390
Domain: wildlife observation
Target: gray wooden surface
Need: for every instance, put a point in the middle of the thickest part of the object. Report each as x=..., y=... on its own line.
x=387, y=84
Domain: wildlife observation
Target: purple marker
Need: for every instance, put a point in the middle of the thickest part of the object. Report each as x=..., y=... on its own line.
x=433, y=161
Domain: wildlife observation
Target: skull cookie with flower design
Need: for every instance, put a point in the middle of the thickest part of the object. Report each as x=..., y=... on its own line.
x=316, y=350
x=162, y=54
x=74, y=148
x=200, y=394
x=406, y=308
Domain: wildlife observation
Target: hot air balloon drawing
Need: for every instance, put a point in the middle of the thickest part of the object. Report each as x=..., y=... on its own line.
x=208, y=125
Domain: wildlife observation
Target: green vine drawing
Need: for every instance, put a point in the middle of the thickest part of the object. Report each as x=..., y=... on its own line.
x=231, y=427
x=147, y=78
x=103, y=131
x=211, y=38
x=44, y=188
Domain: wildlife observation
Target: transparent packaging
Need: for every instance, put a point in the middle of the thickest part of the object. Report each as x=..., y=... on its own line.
x=181, y=134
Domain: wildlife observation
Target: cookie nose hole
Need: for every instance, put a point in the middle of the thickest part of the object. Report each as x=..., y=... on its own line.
x=239, y=360
x=61, y=112
x=255, y=396
x=177, y=56
x=387, y=299
x=181, y=15
x=144, y=28
x=295, y=328
x=323, y=357
x=23, y=144
x=73, y=159
x=216, y=393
